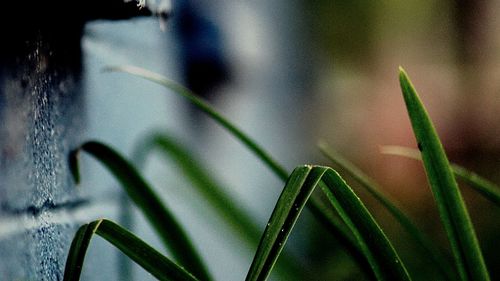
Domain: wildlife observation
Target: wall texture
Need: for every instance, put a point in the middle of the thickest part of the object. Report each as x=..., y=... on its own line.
x=43, y=114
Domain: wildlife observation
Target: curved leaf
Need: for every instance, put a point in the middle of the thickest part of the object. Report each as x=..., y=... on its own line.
x=465, y=247
x=330, y=223
x=291, y=202
x=140, y=192
x=426, y=244
x=485, y=187
x=373, y=242
x=148, y=258
x=205, y=107
x=206, y=185
x=488, y=189
x=376, y=248
x=236, y=217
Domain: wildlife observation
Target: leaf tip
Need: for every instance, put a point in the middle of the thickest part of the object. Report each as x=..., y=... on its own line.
x=403, y=76
x=406, y=85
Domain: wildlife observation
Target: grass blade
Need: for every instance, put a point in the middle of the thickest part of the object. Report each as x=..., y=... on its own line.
x=205, y=107
x=488, y=189
x=339, y=230
x=210, y=189
x=140, y=192
x=426, y=244
x=485, y=187
x=148, y=258
x=314, y=205
x=378, y=250
x=78, y=249
x=465, y=247
x=205, y=185
x=291, y=202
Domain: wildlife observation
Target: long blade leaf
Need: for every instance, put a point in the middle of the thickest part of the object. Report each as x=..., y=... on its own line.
x=331, y=224
x=205, y=107
x=380, y=253
x=143, y=254
x=465, y=247
x=376, y=248
x=206, y=185
x=485, y=187
x=291, y=202
x=237, y=218
x=488, y=189
x=338, y=229
x=170, y=231
x=426, y=244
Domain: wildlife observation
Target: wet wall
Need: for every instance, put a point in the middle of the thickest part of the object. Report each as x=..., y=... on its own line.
x=39, y=109
x=42, y=116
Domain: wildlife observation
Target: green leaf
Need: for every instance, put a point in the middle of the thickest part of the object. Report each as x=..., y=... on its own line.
x=236, y=217
x=485, y=187
x=372, y=241
x=291, y=202
x=488, y=189
x=330, y=223
x=165, y=224
x=338, y=229
x=465, y=247
x=205, y=184
x=144, y=255
x=78, y=249
x=376, y=248
x=426, y=244
x=205, y=107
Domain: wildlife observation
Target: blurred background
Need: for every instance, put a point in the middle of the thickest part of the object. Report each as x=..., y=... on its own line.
x=451, y=51
x=289, y=73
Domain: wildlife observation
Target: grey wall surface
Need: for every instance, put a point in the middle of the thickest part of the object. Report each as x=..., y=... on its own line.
x=44, y=113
